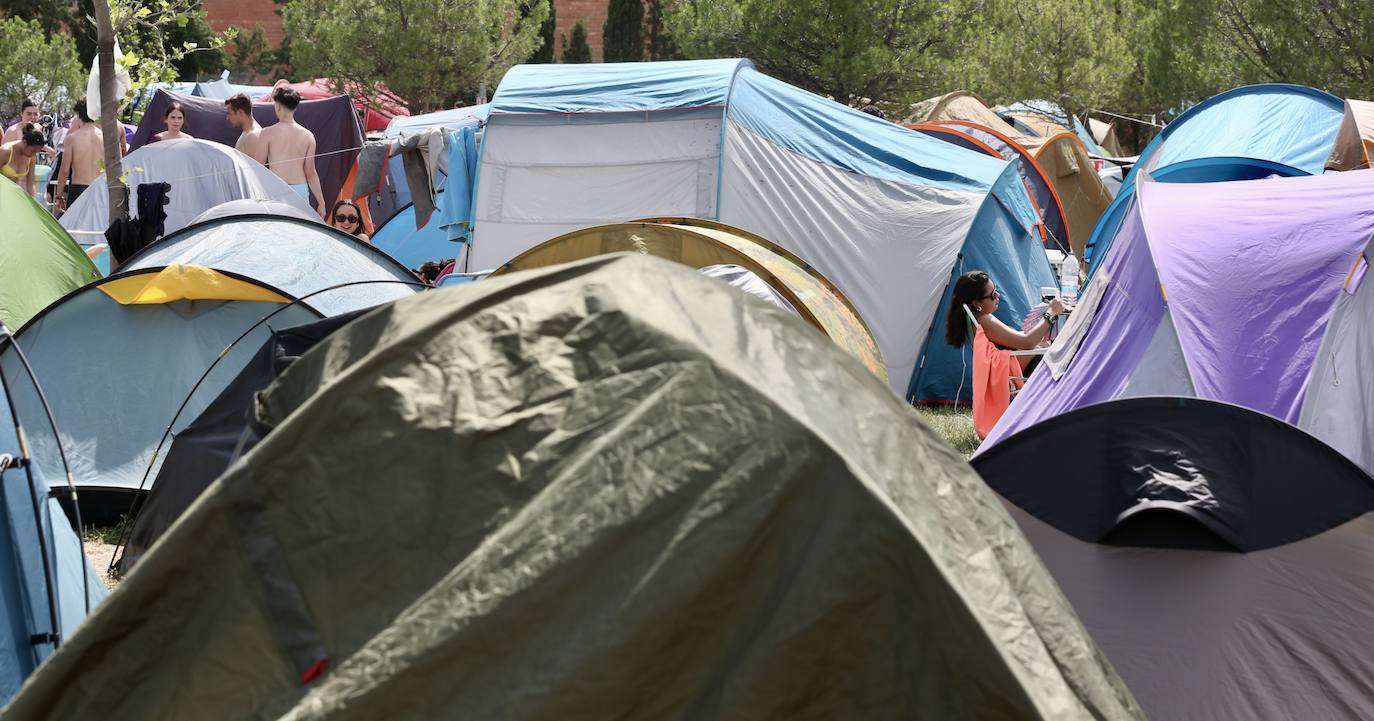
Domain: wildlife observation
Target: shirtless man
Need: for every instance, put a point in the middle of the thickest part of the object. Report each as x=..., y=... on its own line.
x=239, y=110
x=291, y=149
x=82, y=153
x=28, y=113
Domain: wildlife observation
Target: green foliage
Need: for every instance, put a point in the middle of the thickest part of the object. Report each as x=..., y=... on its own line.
x=250, y=56
x=622, y=38
x=1325, y=43
x=661, y=44
x=575, y=47
x=32, y=65
x=429, y=53
x=546, y=33
x=846, y=49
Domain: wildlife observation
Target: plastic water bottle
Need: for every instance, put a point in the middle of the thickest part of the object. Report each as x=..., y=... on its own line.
x=1068, y=279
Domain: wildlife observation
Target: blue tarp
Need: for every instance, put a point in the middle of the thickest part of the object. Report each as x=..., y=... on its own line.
x=452, y=119
x=221, y=89
x=399, y=238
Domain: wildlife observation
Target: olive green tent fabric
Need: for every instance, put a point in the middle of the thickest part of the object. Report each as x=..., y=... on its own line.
x=612, y=489
x=39, y=262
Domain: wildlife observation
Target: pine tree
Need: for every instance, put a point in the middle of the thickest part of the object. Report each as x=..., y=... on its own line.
x=622, y=37
x=575, y=48
x=661, y=45
x=545, y=52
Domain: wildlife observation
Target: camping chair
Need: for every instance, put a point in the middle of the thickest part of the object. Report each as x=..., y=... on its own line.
x=996, y=379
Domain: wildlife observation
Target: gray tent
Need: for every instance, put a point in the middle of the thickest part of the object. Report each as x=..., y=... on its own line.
x=608, y=489
x=1223, y=559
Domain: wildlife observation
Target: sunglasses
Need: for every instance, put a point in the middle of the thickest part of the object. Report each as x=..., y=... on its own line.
x=346, y=218
x=994, y=294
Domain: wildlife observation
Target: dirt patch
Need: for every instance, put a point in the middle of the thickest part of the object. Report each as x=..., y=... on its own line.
x=100, y=554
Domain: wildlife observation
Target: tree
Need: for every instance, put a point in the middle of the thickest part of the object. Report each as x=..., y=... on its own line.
x=1325, y=43
x=546, y=32
x=429, y=53
x=622, y=35
x=34, y=66
x=661, y=45
x=575, y=47
x=881, y=49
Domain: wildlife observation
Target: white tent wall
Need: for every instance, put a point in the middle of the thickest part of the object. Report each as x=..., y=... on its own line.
x=877, y=240
x=1340, y=392
x=1162, y=370
x=546, y=176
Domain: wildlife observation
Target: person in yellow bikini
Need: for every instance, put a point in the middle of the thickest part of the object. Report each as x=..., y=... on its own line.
x=18, y=155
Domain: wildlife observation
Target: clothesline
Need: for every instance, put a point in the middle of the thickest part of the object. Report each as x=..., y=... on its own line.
x=1150, y=123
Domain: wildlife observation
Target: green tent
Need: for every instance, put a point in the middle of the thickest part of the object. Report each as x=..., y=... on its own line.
x=609, y=489
x=39, y=262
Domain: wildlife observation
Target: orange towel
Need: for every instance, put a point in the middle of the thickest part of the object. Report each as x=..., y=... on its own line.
x=993, y=369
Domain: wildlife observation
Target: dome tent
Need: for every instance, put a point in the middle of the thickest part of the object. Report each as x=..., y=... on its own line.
x=202, y=175
x=889, y=215
x=302, y=258
x=706, y=245
x=131, y=353
x=584, y=414
x=1242, y=134
x=39, y=262
x=1165, y=314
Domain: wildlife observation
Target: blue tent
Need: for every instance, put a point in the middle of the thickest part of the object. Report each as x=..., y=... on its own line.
x=889, y=215
x=46, y=586
x=300, y=257
x=222, y=89
x=1242, y=134
x=412, y=246
x=134, y=356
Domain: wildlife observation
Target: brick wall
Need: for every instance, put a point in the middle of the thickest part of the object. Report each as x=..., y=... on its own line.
x=222, y=14
x=592, y=13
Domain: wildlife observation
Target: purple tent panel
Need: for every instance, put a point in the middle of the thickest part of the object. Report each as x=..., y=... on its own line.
x=1251, y=271
x=338, y=138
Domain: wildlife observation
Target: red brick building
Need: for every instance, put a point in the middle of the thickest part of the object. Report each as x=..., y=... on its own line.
x=248, y=13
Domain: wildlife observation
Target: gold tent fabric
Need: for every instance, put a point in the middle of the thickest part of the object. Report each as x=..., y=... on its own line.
x=1355, y=140
x=186, y=282
x=699, y=243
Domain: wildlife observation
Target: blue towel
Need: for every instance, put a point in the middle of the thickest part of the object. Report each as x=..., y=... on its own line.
x=456, y=204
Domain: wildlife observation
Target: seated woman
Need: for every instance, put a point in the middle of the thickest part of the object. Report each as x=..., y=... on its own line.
x=976, y=292
x=348, y=217
x=175, y=118
x=18, y=156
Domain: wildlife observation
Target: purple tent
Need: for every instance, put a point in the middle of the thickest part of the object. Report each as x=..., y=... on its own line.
x=1215, y=529
x=1258, y=275
x=338, y=138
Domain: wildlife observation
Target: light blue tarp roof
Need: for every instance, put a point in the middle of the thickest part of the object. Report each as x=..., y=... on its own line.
x=221, y=89
x=295, y=256
x=27, y=529
x=615, y=87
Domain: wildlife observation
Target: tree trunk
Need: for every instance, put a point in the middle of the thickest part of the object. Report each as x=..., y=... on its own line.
x=109, y=112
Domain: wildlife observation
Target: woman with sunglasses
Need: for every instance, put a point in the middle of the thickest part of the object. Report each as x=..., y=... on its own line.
x=348, y=217
x=976, y=292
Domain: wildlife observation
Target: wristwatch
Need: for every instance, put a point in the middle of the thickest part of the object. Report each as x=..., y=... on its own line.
x=1045, y=316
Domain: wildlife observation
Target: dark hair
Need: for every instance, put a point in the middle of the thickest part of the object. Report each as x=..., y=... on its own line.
x=362, y=221
x=874, y=110
x=241, y=103
x=174, y=107
x=81, y=111
x=968, y=287
x=288, y=97
x=33, y=135
x=28, y=103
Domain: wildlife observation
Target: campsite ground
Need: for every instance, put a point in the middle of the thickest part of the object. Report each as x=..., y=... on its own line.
x=955, y=425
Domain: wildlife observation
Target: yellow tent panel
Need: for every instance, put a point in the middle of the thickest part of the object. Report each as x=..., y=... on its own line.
x=1074, y=176
x=700, y=243
x=186, y=282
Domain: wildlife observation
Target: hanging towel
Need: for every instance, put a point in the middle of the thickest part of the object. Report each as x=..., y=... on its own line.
x=993, y=370
x=372, y=167
x=462, y=169
x=424, y=159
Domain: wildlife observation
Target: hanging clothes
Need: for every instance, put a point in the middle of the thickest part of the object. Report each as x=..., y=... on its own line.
x=462, y=171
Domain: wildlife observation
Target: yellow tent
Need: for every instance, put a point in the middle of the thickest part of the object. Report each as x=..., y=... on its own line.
x=700, y=243
x=1062, y=155
x=1355, y=140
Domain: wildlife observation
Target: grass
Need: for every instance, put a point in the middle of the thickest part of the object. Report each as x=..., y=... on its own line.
x=952, y=423
x=107, y=535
